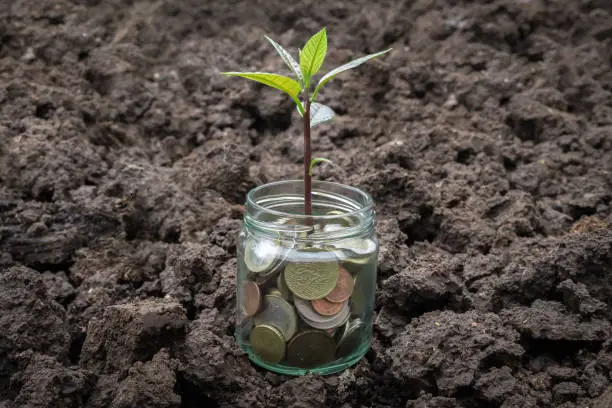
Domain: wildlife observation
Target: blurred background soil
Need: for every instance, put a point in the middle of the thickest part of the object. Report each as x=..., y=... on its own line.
x=485, y=139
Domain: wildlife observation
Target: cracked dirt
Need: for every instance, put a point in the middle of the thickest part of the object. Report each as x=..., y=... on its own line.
x=485, y=139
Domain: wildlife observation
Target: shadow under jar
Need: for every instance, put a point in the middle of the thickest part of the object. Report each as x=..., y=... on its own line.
x=306, y=284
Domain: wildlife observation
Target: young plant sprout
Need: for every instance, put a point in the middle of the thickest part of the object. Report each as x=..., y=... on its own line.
x=299, y=89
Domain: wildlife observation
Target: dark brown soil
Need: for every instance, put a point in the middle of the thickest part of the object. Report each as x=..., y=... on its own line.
x=485, y=139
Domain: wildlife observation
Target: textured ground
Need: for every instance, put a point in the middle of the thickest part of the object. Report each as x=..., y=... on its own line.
x=485, y=139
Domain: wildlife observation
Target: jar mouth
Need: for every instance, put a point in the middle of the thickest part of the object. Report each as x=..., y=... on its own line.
x=272, y=199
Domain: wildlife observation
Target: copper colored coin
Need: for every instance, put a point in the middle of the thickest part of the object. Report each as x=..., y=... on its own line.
x=343, y=289
x=251, y=298
x=326, y=308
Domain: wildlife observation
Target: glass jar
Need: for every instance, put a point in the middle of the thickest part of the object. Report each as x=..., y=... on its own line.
x=306, y=284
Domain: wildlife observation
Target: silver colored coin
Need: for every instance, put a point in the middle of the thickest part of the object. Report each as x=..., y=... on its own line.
x=305, y=310
x=339, y=333
x=347, y=328
x=313, y=319
x=312, y=254
x=260, y=254
x=279, y=313
x=291, y=229
x=356, y=246
x=350, y=338
x=275, y=269
x=332, y=227
x=338, y=320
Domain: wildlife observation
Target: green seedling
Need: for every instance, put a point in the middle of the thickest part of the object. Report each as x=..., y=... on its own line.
x=299, y=88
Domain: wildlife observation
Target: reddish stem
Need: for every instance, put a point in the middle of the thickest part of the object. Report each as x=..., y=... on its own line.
x=307, y=158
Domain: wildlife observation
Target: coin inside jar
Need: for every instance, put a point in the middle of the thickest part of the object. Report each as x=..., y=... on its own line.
x=356, y=252
x=306, y=253
x=325, y=307
x=344, y=221
x=274, y=292
x=343, y=289
x=317, y=321
x=356, y=245
x=350, y=338
x=251, y=298
x=312, y=280
x=354, y=268
x=260, y=254
x=282, y=287
x=274, y=270
x=307, y=312
x=268, y=343
x=358, y=299
x=279, y=313
x=311, y=348
x=334, y=321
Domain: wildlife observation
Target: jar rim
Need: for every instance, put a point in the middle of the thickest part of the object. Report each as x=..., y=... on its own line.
x=366, y=203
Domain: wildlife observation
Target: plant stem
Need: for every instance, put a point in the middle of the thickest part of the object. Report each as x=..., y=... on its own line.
x=307, y=158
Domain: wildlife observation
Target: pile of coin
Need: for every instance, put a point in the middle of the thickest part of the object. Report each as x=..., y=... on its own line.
x=300, y=302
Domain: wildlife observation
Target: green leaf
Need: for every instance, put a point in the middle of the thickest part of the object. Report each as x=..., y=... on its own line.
x=319, y=113
x=280, y=82
x=315, y=161
x=291, y=63
x=350, y=65
x=313, y=54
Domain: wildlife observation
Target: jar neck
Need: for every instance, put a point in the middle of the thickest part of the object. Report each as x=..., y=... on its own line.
x=338, y=211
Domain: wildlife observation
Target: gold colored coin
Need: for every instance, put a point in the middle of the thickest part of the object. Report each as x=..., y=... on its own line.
x=274, y=292
x=311, y=348
x=313, y=280
x=335, y=212
x=268, y=343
